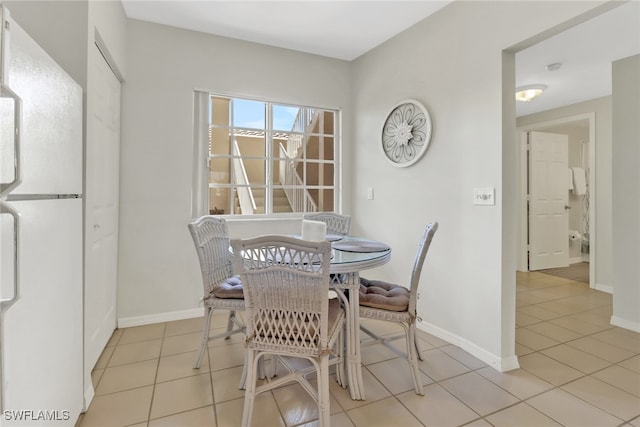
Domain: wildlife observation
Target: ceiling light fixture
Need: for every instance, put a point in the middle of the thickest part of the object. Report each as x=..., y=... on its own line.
x=527, y=93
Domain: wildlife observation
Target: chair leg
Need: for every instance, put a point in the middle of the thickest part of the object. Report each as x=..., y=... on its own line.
x=230, y=323
x=323, y=392
x=340, y=374
x=243, y=377
x=413, y=358
x=250, y=391
x=205, y=336
x=418, y=349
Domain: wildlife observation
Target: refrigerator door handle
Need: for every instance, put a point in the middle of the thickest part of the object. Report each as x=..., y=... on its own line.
x=5, y=187
x=6, y=209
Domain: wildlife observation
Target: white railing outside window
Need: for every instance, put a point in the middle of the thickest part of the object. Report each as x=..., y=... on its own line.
x=245, y=195
x=298, y=196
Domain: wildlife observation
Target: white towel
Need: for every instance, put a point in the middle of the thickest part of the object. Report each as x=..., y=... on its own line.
x=579, y=181
x=570, y=176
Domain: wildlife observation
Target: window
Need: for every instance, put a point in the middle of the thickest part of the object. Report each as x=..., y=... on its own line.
x=267, y=158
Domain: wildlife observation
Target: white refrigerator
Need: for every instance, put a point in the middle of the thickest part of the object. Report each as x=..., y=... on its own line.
x=41, y=276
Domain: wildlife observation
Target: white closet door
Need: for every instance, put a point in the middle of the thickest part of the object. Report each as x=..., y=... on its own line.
x=101, y=197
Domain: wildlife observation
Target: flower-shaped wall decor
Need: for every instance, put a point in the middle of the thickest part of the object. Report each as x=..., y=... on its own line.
x=406, y=133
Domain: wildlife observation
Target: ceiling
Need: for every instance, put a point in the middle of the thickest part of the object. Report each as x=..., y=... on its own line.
x=347, y=29
x=339, y=29
x=585, y=52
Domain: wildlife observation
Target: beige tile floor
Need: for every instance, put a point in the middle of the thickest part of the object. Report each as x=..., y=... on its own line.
x=575, y=370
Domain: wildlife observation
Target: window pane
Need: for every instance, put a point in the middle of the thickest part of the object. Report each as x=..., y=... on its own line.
x=297, y=199
x=327, y=127
x=325, y=200
x=320, y=148
x=248, y=114
x=219, y=141
x=284, y=117
x=220, y=111
x=319, y=174
x=251, y=146
x=255, y=171
x=219, y=201
x=219, y=170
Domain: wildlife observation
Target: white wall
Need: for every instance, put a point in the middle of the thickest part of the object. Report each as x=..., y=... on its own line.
x=453, y=63
x=603, y=173
x=626, y=198
x=158, y=270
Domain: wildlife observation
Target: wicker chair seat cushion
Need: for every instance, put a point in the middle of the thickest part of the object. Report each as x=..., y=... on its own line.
x=383, y=295
x=229, y=288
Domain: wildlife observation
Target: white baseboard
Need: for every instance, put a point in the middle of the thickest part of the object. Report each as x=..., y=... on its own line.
x=604, y=288
x=89, y=393
x=501, y=364
x=126, y=322
x=626, y=324
x=576, y=260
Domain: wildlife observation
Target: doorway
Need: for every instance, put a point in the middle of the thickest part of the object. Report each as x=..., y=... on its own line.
x=581, y=132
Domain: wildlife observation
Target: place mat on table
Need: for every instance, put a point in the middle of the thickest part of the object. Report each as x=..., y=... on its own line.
x=333, y=237
x=362, y=246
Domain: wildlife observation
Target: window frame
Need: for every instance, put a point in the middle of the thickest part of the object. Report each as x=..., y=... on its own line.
x=203, y=125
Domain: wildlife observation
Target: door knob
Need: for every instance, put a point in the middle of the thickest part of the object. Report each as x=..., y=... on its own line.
x=567, y=207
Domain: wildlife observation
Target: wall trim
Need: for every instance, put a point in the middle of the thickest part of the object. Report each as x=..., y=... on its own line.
x=126, y=322
x=604, y=288
x=501, y=364
x=626, y=324
x=89, y=394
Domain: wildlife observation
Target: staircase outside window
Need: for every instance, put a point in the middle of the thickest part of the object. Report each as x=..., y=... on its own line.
x=269, y=158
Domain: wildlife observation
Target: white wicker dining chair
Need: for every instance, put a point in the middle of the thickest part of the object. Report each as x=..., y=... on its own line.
x=288, y=314
x=394, y=303
x=222, y=290
x=336, y=223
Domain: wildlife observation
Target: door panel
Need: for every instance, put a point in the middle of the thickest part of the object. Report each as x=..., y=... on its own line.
x=102, y=194
x=548, y=197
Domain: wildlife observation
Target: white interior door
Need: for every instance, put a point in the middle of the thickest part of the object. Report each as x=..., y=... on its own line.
x=548, y=200
x=101, y=198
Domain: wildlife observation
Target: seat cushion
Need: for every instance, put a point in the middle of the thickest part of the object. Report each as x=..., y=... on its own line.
x=229, y=288
x=383, y=295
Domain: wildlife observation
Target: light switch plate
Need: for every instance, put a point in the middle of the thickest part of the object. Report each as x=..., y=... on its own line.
x=484, y=196
x=370, y=193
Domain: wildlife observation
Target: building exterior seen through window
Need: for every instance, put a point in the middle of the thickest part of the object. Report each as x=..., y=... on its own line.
x=270, y=158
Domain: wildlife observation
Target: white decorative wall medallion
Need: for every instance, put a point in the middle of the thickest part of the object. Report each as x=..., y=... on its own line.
x=406, y=133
